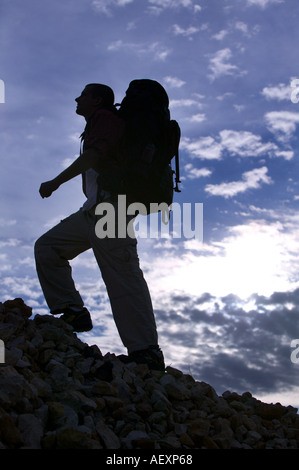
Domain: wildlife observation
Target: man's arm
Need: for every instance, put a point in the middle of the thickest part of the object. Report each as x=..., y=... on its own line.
x=88, y=159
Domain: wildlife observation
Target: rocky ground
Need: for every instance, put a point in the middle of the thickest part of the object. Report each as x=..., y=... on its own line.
x=56, y=392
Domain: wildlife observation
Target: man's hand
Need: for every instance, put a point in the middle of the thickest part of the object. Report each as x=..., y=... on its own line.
x=47, y=188
x=88, y=159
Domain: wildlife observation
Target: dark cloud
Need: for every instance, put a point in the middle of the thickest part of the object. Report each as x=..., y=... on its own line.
x=278, y=298
x=232, y=348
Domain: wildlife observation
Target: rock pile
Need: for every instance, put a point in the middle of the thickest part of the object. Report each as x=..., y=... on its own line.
x=58, y=393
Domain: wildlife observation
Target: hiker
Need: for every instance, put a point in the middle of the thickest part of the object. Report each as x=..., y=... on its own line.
x=116, y=257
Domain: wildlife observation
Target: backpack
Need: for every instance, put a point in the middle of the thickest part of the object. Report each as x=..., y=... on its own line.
x=150, y=142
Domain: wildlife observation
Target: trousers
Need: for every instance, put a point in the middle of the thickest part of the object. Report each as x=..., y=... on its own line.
x=118, y=262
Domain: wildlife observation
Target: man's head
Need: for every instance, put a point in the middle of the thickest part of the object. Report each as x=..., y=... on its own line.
x=93, y=97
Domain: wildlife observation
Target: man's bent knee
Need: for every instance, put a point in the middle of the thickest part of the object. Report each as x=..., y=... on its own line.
x=41, y=248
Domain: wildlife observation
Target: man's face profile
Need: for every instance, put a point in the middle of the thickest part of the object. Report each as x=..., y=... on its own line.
x=87, y=103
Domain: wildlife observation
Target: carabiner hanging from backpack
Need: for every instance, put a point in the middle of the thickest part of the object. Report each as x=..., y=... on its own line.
x=177, y=173
x=177, y=164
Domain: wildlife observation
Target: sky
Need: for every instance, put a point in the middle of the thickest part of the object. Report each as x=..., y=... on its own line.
x=226, y=305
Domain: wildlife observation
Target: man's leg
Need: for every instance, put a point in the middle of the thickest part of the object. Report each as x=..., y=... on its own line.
x=127, y=290
x=129, y=297
x=52, y=251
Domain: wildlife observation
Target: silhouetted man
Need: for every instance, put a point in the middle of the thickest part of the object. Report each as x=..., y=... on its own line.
x=116, y=257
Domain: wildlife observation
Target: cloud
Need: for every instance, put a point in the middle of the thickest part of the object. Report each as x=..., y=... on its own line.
x=241, y=26
x=157, y=7
x=220, y=64
x=279, y=92
x=239, y=107
x=221, y=35
x=286, y=154
x=164, y=4
x=205, y=148
x=257, y=256
x=250, y=180
x=155, y=49
x=191, y=172
x=282, y=123
x=236, y=143
x=204, y=328
x=263, y=3
x=200, y=117
x=212, y=337
x=5, y=265
x=174, y=82
x=216, y=332
x=20, y=287
x=10, y=242
x=245, y=144
x=184, y=103
x=106, y=6
x=7, y=223
x=178, y=31
x=187, y=109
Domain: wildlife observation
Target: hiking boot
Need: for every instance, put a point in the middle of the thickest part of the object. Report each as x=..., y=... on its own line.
x=152, y=356
x=80, y=320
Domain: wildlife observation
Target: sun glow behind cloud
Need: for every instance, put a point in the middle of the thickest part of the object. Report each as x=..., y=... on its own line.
x=252, y=258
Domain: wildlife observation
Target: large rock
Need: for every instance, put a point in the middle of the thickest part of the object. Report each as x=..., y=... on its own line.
x=56, y=392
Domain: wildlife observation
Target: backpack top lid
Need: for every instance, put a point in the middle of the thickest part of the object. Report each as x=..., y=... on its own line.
x=147, y=87
x=144, y=94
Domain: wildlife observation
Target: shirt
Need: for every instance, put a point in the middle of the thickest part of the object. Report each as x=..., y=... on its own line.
x=102, y=132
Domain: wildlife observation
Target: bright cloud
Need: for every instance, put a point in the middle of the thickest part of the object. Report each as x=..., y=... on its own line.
x=221, y=35
x=282, y=123
x=245, y=144
x=241, y=26
x=191, y=172
x=174, y=82
x=250, y=180
x=184, y=103
x=236, y=143
x=205, y=148
x=106, y=6
x=171, y=3
x=263, y=3
x=257, y=256
x=279, y=92
x=179, y=31
x=155, y=49
x=200, y=117
x=232, y=28
x=220, y=64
